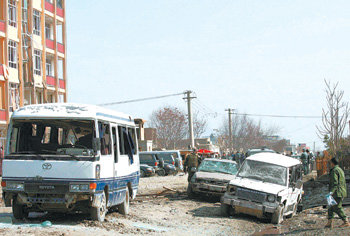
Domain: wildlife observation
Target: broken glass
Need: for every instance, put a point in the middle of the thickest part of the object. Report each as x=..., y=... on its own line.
x=265, y=172
x=52, y=136
x=218, y=167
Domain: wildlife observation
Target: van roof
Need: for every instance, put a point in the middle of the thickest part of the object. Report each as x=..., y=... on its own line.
x=274, y=158
x=69, y=110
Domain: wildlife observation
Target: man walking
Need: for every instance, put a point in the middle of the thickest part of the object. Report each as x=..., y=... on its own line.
x=304, y=158
x=337, y=188
x=192, y=161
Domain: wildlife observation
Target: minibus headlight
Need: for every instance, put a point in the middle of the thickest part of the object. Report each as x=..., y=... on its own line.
x=15, y=186
x=79, y=187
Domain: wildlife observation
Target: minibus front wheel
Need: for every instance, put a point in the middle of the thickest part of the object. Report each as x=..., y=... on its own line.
x=18, y=210
x=99, y=213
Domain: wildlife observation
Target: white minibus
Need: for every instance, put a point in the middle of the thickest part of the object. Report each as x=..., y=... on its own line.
x=70, y=158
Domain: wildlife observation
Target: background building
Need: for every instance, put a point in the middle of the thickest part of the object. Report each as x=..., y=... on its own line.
x=33, y=54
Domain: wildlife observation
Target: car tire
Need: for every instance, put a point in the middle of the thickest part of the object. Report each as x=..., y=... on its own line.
x=142, y=173
x=99, y=213
x=161, y=172
x=277, y=216
x=124, y=207
x=18, y=210
x=225, y=209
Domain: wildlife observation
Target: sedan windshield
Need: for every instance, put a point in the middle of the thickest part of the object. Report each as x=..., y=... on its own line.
x=265, y=172
x=218, y=166
x=54, y=137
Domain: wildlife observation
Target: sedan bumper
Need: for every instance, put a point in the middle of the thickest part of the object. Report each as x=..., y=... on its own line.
x=209, y=189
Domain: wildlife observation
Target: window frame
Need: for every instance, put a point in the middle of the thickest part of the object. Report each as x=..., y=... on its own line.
x=12, y=54
x=12, y=13
x=37, y=62
x=36, y=22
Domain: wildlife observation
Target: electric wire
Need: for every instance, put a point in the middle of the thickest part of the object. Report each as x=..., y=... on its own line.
x=141, y=99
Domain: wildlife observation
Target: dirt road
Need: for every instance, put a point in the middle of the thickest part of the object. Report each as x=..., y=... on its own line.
x=171, y=213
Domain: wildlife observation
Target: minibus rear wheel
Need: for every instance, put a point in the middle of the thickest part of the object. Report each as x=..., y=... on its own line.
x=124, y=207
x=18, y=210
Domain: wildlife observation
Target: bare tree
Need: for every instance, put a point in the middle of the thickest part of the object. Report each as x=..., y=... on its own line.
x=334, y=117
x=171, y=126
x=246, y=133
x=200, y=125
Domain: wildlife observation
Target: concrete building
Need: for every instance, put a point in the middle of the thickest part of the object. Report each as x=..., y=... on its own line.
x=33, y=54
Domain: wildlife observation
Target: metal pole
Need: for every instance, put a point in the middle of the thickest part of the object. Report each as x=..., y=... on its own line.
x=230, y=112
x=190, y=121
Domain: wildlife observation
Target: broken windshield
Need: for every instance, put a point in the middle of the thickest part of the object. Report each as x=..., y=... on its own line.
x=265, y=172
x=218, y=167
x=52, y=136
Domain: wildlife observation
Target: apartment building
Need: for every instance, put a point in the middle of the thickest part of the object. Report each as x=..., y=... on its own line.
x=33, y=54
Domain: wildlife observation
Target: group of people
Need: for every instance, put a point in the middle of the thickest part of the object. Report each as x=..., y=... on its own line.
x=307, y=159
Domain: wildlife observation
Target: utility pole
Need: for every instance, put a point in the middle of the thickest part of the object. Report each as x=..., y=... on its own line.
x=190, y=121
x=230, y=112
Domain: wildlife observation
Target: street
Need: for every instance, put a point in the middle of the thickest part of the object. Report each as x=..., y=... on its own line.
x=168, y=211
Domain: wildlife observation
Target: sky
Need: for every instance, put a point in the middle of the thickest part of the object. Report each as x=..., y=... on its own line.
x=259, y=57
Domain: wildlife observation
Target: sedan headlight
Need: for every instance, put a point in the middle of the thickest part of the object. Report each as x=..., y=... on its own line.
x=14, y=186
x=271, y=198
x=79, y=187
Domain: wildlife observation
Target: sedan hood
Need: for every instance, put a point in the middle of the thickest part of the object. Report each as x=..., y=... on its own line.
x=214, y=176
x=257, y=185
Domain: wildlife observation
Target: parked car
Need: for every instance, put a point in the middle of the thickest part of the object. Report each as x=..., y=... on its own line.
x=178, y=158
x=146, y=170
x=212, y=177
x=259, y=150
x=268, y=185
x=152, y=159
x=168, y=159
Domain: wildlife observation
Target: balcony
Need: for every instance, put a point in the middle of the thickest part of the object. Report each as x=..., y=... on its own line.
x=60, y=48
x=50, y=44
x=51, y=81
x=62, y=84
x=2, y=26
x=2, y=115
x=59, y=12
x=49, y=7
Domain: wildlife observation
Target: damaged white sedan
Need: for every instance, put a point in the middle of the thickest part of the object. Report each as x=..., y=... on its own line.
x=212, y=177
x=268, y=185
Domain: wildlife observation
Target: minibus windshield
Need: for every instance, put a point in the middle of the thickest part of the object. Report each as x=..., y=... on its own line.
x=53, y=137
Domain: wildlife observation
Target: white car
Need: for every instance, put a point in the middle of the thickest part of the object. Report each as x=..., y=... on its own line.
x=268, y=185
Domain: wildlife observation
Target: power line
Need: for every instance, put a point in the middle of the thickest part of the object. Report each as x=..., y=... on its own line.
x=141, y=99
x=278, y=116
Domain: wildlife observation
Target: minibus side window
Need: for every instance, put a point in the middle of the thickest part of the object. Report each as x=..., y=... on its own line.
x=122, y=150
x=105, y=137
x=115, y=149
x=133, y=136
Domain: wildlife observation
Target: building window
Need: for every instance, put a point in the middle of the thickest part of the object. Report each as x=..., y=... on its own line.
x=49, y=71
x=12, y=13
x=36, y=22
x=48, y=32
x=37, y=62
x=13, y=97
x=12, y=47
x=60, y=4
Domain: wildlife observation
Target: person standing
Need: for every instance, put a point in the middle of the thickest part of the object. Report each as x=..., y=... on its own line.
x=304, y=160
x=192, y=161
x=310, y=158
x=337, y=188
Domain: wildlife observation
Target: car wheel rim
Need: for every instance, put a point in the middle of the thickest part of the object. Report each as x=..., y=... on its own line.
x=103, y=206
